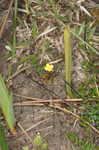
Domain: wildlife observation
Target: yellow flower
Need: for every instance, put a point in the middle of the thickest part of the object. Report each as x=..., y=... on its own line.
x=91, y=43
x=49, y=67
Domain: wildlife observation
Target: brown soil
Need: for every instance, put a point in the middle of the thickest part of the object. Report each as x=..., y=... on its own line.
x=51, y=123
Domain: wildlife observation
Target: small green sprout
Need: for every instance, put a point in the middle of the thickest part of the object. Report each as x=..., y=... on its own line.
x=38, y=140
x=25, y=148
x=40, y=143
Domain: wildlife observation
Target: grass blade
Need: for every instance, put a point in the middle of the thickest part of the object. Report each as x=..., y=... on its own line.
x=68, y=59
x=3, y=143
x=6, y=105
x=84, y=42
x=14, y=26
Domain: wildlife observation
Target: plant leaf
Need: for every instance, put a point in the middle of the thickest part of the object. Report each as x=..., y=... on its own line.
x=6, y=105
x=3, y=143
x=38, y=140
x=68, y=59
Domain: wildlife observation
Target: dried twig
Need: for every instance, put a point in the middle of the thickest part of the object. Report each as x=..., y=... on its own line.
x=37, y=124
x=38, y=100
x=5, y=19
x=48, y=30
x=25, y=132
x=17, y=72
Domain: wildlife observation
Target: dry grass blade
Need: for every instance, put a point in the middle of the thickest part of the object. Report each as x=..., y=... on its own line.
x=5, y=19
x=25, y=132
x=17, y=73
x=68, y=59
x=38, y=100
x=48, y=30
x=34, y=102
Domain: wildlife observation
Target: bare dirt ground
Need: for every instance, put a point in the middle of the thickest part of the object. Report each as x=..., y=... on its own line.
x=31, y=118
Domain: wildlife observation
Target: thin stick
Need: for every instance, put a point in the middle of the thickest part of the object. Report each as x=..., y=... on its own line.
x=28, y=104
x=17, y=72
x=5, y=19
x=14, y=26
x=25, y=132
x=37, y=124
x=48, y=100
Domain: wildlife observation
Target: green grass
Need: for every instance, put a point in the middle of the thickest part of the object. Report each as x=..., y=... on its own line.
x=6, y=105
x=3, y=142
x=6, y=108
x=92, y=114
x=39, y=143
x=88, y=87
x=82, y=144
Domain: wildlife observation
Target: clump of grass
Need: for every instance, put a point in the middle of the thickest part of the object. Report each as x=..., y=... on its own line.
x=86, y=40
x=40, y=143
x=92, y=113
x=81, y=144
